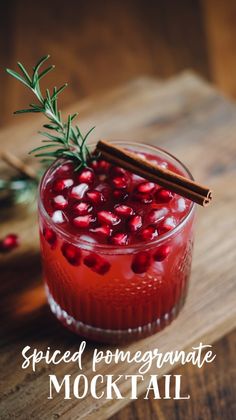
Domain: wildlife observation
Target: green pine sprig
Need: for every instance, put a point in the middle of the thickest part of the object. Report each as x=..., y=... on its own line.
x=67, y=140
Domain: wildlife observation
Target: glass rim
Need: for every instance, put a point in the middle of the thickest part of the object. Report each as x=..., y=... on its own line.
x=109, y=248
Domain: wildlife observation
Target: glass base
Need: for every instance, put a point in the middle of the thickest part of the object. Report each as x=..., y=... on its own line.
x=112, y=336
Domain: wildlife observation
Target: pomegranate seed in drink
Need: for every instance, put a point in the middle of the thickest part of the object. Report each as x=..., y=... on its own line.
x=166, y=225
x=8, y=243
x=163, y=196
x=82, y=208
x=103, y=230
x=119, y=239
x=78, y=191
x=146, y=187
x=61, y=184
x=142, y=198
x=141, y=262
x=120, y=182
x=100, y=166
x=71, y=253
x=117, y=171
x=97, y=263
x=60, y=202
x=86, y=176
x=83, y=222
x=120, y=195
x=135, y=223
x=123, y=210
x=161, y=253
x=96, y=197
x=108, y=217
x=50, y=236
x=148, y=233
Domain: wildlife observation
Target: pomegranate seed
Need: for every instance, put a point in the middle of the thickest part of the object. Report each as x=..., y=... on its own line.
x=94, y=165
x=156, y=215
x=120, y=182
x=98, y=264
x=103, y=166
x=161, y=253
x=123, y=210
x=148, y=233
x=146, y=187
x=83, y=221
x=108, y=217
x=50, y=236
x=8, y=243
x=105, y=189
x=71, y=253
x=78, y=191
x=141, y=262
x=119, y=239
x=163, y=196
x=166, y=225
x=86, y=176
x=118, y=171
x=119, y=195
x=103, y=230
x=82, y=208
x=135, y=223
x=65, y=170
x=142, y=198
x=58, y=217
x=61, y=184
x=100, y=166
x=59, y=202
x=95, y=196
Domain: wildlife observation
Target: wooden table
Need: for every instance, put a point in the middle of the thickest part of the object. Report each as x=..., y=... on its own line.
x=191, y=120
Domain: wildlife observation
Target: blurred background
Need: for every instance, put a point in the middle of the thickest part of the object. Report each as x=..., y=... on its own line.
x=97, y=45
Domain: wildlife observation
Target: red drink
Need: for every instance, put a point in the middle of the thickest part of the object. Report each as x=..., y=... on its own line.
x=116, y=249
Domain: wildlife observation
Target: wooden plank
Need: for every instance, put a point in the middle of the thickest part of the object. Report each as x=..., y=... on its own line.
x=193, y=122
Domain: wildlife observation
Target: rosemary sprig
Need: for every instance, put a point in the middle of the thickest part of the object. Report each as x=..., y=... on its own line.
x=68, y=142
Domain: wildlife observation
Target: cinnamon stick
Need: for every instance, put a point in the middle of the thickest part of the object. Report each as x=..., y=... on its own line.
x=18, y=164
x=170, y=180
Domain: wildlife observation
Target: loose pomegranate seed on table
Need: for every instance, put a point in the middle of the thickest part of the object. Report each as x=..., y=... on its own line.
x=10, y=242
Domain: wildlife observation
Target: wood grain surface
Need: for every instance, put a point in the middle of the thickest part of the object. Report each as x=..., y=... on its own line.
x=191, y=120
